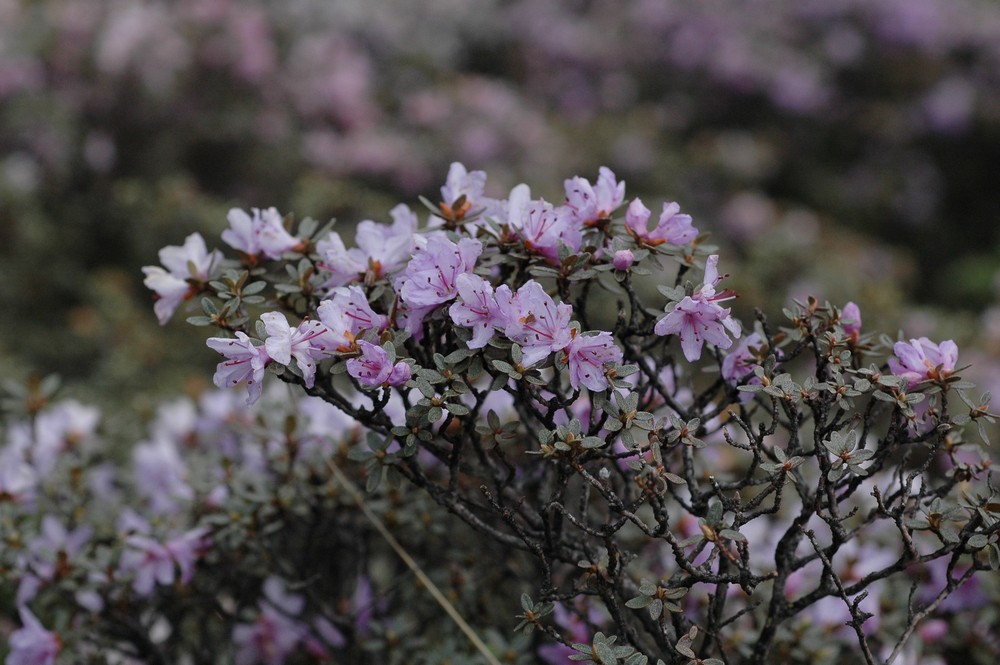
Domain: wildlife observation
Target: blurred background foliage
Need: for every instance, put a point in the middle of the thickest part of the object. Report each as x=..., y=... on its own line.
x=846, y=149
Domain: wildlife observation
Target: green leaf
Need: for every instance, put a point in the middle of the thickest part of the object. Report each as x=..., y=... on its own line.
x=639, y=602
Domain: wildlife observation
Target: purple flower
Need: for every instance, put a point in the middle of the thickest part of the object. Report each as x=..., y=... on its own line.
x=478, y=308
x=344, y=265
x=741, y=360
x=148, y=561
x=308, y=342
x=587, y=355
x=347, y=315
x=263, y=234
x=388, y=248
x=187, y=266
x=672, y=227
x=66, y=425
x=373, y=368
x=461, y=191
x=32, y=644
x=161, y=475
x=623, y=259
x=923, y=360
x=850, y=321
x=275, y=634
x=699, y=318
x=544, y=227
x=244, y=363
x=590, y=203
x=430, y=278
x=51, y=553
x=186, y=549
x=381, y=250
x=536, y=322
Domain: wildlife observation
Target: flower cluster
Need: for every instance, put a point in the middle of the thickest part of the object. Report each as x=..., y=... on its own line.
x=663, y=468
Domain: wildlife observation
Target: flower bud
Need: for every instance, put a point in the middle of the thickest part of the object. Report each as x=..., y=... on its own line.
x=623, y=259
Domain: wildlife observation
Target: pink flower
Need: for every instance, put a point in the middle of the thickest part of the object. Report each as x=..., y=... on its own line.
x=850, y=321
x=673, y=228
x=276, y=633
x=347, y=315
x=373, y=368
x=536, y=322
x=186, y=549
x=308, y=342
x=589, y=203
x=55, y=547
x=587, y=355
x=186, y=267
x=149, y=561
x=923, y=360
x=32, y=644
x=263, y=234
x=544, y=227
x=462, y=190
x=381, y=250
x=699, y=318
x=478, y=308
x=244, y=363
x=161, y=475
x=431, y=276
x=623, y=259
x=740, y=361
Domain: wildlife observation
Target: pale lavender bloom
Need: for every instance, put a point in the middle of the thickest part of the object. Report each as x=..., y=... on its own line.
x=430, y=278
x=176, y=420
x=587, y=355
x=275, y=634
x=244, y=363
x=344, y=265
x=308, y=342
x=699, y=318
x=161, y=475
x=192, y=259
x=48, y=554
x=18, y=478
x=268, y=640
x=382, y=249
x=278, y=596
x=411, y=319
x=348, y=314
x=850, y=320
x=388, y=248
x=148, y=561
x=32, y=644
x=187, y=266
x=741, y=361
x=536, y=322
x=461, y=182
x=55, y=540
x=921, y=359
x=478, y=309
x=589, y=203
x=673, y=227
x=186, y=549
x=623, y=259
x=510, y=211
x=373, y=368
x=66, y=425
x=544, y=227
x=263, y=234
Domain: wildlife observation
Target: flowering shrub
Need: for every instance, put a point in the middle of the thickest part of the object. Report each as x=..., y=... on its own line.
x=657, y=480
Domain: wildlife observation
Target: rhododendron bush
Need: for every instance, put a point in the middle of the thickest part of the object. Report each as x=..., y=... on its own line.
x=557, y=416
